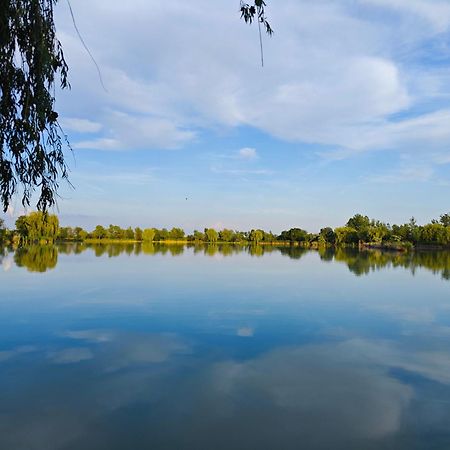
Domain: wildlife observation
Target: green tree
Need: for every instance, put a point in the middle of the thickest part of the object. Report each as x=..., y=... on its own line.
x=445, y=219
x=345, y=235
x=176, y=234
x=198, y=236
x=374, y=233
x=358, y=222
x=99, y=232
x=211, y=235
x=435, y=233
x=129, y=234
x=82, y=235
x=414, y=231
x=66, y=234
x=256, y=236
x=148, y=234
x=115, y=232
x=294, y=235
x=138, y=234
x=79, y=234
x=269, y=237
x=240, y=236
x=226, y=235
x=326, y=235
x=162, y=235
x=37, y=226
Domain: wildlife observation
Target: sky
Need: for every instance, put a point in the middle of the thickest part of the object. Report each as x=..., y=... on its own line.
x=350, y=113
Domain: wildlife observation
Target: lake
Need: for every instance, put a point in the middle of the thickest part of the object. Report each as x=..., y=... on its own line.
x=223, y=347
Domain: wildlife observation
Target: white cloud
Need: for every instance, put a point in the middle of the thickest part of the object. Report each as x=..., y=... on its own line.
x=240, y=172
x=404, y=174
x=247, y=153
x=435, y=12
x=316, y=381
x=131, y=132
x=80, y=125
x=98, y=144
x=332, y=77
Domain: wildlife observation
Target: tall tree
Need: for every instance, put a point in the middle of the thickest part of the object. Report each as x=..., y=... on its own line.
x=37, y=226
x=211, y=235
x=138, y=234
x=148, y=234
x=256, y=236
x=31, y=140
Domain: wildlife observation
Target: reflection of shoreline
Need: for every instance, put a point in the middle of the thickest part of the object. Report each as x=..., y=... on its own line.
x=40, y=258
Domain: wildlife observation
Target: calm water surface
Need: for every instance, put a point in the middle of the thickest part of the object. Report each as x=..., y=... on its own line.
x=146, y=347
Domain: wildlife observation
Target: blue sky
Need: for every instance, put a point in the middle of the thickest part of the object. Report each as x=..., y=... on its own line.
x=351, y=113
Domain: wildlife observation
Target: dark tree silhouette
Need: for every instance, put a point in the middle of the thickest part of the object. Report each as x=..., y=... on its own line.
x=31, y=140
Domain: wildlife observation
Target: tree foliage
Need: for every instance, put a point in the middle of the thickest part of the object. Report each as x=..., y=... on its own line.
x=37, y=226
x=256, y=11
x=31, y=140
x=211, y=235
x=148, y=234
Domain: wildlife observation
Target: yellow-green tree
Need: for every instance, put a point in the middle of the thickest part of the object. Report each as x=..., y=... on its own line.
x=37, y=226
x=148, y=234
x=211, y=235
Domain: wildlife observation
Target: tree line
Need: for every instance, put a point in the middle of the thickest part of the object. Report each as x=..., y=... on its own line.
x=39, y=227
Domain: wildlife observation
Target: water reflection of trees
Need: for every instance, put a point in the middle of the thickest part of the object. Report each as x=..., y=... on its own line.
x=37, y=258
x=293, y=252
x=40, y=258
x=364, y=262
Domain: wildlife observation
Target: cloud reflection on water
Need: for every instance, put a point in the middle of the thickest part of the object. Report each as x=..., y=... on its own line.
x=331, y=395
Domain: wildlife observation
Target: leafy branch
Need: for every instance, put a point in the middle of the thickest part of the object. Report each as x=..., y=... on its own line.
x=256, y=11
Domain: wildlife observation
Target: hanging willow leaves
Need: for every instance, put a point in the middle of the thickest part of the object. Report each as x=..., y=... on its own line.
x=31, y=141
x=256, y=11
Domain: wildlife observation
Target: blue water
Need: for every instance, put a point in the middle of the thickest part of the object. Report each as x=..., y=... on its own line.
x=212, y=348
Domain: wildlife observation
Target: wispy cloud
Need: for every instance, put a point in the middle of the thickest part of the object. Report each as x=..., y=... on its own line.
x=139, y=177
x=403, y=175
x=80, y=125
x=237, y=172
